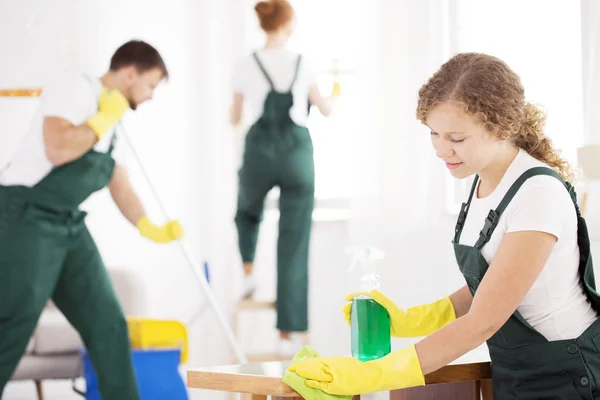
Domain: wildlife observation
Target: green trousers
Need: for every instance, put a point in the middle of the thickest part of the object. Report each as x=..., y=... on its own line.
x=45, y=255
x=291, y=167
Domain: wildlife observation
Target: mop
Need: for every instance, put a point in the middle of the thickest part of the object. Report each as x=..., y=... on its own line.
x=194, y=266
x=200, y=273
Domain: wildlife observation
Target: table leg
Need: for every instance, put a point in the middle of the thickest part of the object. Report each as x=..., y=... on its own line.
x=357, y=397
x=249, y=396
x=285, y=398
x=486, y=389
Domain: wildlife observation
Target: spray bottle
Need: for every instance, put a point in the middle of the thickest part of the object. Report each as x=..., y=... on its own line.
x=369, y=321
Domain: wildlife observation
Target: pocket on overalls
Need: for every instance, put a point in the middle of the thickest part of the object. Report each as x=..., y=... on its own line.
x=513, y=381
x=596, y=338
x=593, y=360
x=102, y=171
x=580, y=386
x=303, y=138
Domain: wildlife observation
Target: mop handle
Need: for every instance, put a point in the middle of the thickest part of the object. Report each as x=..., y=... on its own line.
x=192, y=264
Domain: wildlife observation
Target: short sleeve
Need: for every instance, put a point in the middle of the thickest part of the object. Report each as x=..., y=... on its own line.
x=120, y=152
x=73, y=100
x=542, y=204
x=310, y=72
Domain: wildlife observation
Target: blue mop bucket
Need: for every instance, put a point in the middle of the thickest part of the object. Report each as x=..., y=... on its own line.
x=156, y=371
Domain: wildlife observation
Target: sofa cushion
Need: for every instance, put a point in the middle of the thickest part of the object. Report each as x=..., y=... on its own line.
x=55, y=335
x=59, y=366
x=30, y=346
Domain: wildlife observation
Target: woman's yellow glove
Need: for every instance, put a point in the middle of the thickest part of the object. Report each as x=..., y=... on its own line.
x=416, y=321
x=170, y=231
x=348, y=376
x=336, y=89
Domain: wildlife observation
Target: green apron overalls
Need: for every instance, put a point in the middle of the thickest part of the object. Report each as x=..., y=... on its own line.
x=280, y=153
x=525, y=365
x=47, y=252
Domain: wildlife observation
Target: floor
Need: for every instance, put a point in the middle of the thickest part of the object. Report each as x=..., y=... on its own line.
x=61, y=390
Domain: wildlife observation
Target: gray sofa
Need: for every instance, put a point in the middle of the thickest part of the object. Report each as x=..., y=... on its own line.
x=53, y=351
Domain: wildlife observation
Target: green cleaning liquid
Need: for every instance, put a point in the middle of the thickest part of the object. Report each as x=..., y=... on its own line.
x=370, y=323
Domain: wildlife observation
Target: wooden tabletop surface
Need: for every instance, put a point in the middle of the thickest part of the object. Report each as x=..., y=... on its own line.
x=265, y=378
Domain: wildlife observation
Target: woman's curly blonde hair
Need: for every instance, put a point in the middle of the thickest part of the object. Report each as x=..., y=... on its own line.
x=488, y=89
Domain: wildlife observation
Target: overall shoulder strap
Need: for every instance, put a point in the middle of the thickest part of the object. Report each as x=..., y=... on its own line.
x=113, y=139
x=494, y=215
x=263, y=70
x=464, y=210
x=295, y=72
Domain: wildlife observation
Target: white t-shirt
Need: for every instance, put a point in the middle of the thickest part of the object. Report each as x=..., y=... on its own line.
x=556, y=305
x=74, y=100
x=280, y=65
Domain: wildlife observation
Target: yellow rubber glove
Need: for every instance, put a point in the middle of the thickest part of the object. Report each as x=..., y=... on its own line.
x=170, y=231
x=336, y=89
x=111, y=107
x=348, y=376
x=416, y=321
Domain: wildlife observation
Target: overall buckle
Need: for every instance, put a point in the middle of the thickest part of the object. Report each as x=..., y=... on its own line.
x=490, y=224
x=462, y=216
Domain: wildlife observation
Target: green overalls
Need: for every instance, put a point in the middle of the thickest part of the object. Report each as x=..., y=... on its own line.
x=525, y=365
x=280, y=153
x=47, y=252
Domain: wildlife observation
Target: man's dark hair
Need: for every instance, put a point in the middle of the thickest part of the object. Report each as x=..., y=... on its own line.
x=139, y=54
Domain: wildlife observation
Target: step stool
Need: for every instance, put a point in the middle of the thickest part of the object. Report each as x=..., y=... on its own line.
x=250, y=305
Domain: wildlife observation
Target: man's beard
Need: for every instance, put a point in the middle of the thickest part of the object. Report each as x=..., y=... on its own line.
x=132, y=105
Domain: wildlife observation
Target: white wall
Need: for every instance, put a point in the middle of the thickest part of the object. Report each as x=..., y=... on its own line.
x=190, y=152
x=182, y=135
x=590, y=21
x=406, y=216
x=191, y=155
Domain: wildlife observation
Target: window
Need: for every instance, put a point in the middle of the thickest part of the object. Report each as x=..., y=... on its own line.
x=541, y=41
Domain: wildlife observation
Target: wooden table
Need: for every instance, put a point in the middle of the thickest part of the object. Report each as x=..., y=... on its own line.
x=467, y=378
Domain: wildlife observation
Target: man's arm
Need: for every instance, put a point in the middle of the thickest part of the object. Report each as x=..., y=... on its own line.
x=131, y=207
x=65, y=142
x=124, y=196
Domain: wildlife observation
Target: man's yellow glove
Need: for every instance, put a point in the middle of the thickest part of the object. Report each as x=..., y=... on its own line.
x=170, y=231
x=111, y=107
x=348, y=376
x=416, y=321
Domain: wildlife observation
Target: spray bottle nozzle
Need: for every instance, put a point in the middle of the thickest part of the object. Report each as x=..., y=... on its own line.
x=364, y=255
